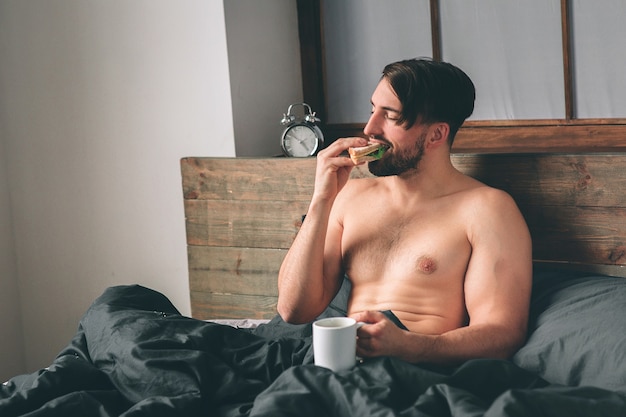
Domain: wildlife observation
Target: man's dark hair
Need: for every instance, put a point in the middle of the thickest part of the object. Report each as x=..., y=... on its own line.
x=431, y=91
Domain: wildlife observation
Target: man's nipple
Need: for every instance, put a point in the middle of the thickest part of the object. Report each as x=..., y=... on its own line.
x=426, y=265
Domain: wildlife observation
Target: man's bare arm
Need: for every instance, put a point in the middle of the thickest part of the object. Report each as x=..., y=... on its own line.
x=309, y=275
x=498, y=281
x=384, y=338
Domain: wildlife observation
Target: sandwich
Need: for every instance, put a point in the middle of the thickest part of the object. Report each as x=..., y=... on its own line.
x=367, y=153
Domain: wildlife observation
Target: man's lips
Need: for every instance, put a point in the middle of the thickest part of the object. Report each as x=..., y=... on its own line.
x=381, y=141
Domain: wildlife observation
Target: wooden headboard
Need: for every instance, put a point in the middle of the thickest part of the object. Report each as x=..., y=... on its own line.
x=242, y=215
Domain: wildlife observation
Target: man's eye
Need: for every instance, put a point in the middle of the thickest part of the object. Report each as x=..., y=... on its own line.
x=394, y=117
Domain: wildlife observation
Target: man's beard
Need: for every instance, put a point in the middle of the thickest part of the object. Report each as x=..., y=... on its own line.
x=391, y=164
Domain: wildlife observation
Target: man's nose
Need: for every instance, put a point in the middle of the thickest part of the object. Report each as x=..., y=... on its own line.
x=372, y=127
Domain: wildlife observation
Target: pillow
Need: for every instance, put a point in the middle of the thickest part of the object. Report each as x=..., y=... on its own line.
x=577, y=330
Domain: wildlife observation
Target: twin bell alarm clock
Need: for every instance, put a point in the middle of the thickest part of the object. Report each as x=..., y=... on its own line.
x=301, y=137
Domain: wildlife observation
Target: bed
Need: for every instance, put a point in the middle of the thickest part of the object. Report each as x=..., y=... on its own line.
x=135, y=354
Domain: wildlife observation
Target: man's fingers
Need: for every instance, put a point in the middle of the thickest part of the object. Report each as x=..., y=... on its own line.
x=369, y=317
x=341, y=145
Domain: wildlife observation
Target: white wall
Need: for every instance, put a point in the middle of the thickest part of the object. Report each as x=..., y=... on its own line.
x=265, y=71
x=98, y=102
x=11, y=346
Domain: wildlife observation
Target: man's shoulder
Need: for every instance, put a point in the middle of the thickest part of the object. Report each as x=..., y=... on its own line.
x=473, y=189
x=486, y=195
x=486, y=206
x=475, y=199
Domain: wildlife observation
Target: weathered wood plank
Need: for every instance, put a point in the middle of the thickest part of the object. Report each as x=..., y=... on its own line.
x=246, y=223
x=594, y=235
x=250, y=271
x=552, y=179
x=559, y=137
x=254, y=179
x=205, y=306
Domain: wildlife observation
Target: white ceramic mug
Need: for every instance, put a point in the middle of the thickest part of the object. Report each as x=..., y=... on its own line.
x=334, y=342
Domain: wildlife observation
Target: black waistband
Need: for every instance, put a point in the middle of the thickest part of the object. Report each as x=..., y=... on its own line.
x=394, y=319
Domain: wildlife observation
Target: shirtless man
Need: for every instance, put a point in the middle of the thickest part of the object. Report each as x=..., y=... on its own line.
x=448, y=255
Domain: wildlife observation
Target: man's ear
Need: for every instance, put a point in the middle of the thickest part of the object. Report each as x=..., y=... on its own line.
x=438, y=134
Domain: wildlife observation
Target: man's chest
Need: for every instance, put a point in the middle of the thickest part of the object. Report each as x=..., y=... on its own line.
x=416, y=246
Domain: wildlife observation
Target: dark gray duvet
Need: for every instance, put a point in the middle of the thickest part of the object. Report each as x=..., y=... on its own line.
x=135, y=355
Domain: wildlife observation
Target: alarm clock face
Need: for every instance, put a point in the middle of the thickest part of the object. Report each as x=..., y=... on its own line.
x=300, y=141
